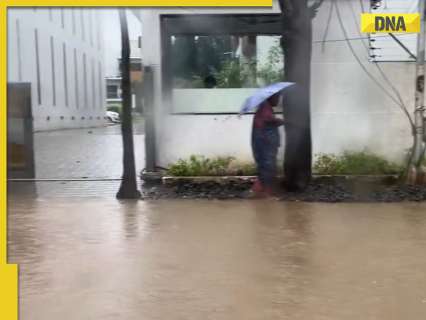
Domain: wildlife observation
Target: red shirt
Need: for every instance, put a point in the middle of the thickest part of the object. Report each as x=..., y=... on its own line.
x=265, y=115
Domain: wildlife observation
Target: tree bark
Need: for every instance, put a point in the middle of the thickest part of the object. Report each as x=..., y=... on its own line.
x=128, y=188
x=297, y=48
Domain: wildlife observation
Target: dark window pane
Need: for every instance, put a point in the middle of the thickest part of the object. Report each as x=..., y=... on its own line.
x=112, y=92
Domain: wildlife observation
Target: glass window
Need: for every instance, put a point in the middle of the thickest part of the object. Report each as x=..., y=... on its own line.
x=225, y=61
x=215, y=73
x=112, y=92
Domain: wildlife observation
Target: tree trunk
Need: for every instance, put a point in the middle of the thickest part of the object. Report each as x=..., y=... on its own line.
x=248, y=60
x=297, y=47
x=128, y=188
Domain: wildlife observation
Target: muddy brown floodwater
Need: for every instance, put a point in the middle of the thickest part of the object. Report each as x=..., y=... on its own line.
x=104, y=259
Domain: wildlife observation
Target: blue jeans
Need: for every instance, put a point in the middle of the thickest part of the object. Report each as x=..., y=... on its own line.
x=265, y=143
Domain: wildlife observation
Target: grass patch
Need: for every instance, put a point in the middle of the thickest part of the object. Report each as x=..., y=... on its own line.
x=348, y=163
x=355, y=163
x=202, y=166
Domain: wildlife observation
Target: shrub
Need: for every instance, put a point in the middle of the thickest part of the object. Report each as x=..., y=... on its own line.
x=357, y=163
x=202, y=166
x=273, y=70
x=242, y=169
x=232, y=75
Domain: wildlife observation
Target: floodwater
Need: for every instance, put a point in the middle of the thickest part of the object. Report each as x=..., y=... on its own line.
x=105, y=259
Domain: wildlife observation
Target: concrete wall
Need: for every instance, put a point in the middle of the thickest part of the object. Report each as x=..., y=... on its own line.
x=65, y=102
x=349, y=112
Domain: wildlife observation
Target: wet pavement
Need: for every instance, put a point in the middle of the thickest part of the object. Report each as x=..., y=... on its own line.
x=93, y=153
x=99, y=258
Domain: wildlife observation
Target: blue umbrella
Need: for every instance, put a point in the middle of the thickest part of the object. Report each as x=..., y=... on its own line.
x=252, y=103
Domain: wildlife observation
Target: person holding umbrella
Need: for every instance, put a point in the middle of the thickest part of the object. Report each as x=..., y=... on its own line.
x=265, y=137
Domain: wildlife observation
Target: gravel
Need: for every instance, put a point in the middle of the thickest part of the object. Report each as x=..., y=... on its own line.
x=329, y=189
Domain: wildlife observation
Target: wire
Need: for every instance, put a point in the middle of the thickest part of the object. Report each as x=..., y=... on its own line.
x=330, y=15
x=365, y=69
x=358, y=27
x=382, y=73
x=361, y=5
x=358, y=38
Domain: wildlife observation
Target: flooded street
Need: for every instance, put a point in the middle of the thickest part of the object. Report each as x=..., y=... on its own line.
x=105, y=259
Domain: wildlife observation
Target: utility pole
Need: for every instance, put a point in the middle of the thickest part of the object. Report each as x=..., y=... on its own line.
x=128, y=188
x=416, y=174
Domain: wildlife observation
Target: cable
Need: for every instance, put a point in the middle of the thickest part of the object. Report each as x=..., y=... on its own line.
x=361, y=5
x=358, y=27
x=375, y=63
x=382, y=73
x=324, y=38
x=358, y=38
x=365, y=69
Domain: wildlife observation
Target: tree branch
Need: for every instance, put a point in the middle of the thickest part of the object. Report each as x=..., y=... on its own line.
x=313, y=9
x=286, y=7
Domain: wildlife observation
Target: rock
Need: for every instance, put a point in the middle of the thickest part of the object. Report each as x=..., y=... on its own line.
x=320, y=190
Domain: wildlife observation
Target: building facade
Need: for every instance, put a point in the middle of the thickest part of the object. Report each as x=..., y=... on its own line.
x=114, y=91
x=349, y=111
x=59, y=51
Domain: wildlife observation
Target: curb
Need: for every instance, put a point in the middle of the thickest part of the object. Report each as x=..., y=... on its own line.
x=170, y=180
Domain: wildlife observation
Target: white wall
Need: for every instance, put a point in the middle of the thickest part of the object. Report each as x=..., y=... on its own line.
x=349, y=112
x=209, y=100
x=79, y=112
x=111, y=35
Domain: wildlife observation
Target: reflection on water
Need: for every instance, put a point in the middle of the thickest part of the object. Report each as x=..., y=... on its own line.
x=218, y=260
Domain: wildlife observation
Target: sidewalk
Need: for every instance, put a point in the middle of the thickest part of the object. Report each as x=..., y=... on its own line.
x=85, y=153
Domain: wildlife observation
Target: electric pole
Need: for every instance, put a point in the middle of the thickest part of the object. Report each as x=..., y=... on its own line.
x=128, y=188
x=416, y=174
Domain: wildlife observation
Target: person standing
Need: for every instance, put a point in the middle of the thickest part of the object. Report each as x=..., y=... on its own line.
x=265, y=142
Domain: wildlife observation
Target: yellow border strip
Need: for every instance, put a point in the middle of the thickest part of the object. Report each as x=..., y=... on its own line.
x=9, y=273
x=141, y=3
x=3, y=135
x=9, y=292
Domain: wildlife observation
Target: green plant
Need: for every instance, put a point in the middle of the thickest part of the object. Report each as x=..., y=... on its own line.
x=192, y=65
x=202, y=166
x=231, y=75
x=357, y=163
x=272, y=71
